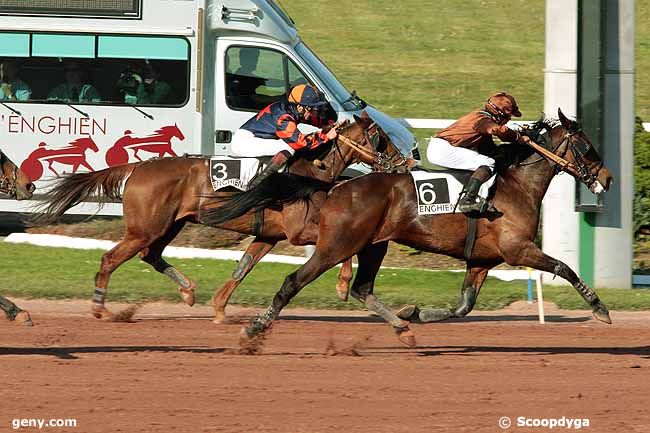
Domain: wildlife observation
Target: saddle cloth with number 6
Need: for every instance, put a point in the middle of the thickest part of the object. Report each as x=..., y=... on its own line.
x=226, y=171
x=437, y=192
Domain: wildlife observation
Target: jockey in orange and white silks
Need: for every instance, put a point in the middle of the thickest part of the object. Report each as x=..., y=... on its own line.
x=274, y=130
x=464, y=145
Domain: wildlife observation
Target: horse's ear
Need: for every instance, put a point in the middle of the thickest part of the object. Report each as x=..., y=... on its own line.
x=566, y=122
x=362, y=120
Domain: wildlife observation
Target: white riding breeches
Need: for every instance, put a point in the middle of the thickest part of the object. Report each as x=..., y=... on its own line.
x=245, y=144
x=443, y=154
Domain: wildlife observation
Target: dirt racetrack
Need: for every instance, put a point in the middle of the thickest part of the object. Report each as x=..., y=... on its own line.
x=172, y=370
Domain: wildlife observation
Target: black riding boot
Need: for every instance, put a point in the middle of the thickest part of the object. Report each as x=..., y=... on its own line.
x=471, y=202
x=277, y=162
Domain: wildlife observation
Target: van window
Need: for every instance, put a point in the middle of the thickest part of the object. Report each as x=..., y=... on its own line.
x=257, y=77
x=95, y=69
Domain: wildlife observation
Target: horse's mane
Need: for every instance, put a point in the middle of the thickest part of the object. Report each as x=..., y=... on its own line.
x=511, y=154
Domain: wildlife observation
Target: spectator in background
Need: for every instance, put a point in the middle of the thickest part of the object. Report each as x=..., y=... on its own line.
x=151, y=90
x=74, y=89
x=12, y=88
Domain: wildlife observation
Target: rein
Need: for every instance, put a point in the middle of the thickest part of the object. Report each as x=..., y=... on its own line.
x=7, y=185
x=386, y=162
x=579, y=170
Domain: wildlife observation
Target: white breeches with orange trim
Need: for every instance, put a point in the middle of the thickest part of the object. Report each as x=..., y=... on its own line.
x=245, y=144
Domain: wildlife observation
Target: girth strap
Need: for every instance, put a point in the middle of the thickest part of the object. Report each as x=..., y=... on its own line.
x=470, y=237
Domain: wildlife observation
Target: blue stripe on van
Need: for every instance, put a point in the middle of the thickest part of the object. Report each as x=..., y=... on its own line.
x=14, y=44
x=142, y=47
x=78, y=46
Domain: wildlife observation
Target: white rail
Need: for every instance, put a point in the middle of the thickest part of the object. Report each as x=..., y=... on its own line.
x=443, y=123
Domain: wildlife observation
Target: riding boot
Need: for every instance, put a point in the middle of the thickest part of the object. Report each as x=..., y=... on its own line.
x=276, y=163
x=471, y=202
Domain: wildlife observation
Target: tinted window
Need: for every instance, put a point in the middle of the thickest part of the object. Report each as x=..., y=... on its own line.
x=94, y=69
x=257, y=77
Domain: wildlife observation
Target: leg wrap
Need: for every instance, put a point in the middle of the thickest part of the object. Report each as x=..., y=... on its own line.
x=99, y=296
x=10, y=309
x=467, y=301
x=262, y=321
x=178, y=277
x=586, y=292
x=375, y=305
x=242, y=267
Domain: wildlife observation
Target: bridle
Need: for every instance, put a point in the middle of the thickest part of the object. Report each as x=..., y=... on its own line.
x=580, y=169
x=381, y=161
x=7, y=184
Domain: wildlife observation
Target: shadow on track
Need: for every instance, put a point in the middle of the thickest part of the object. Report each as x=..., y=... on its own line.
x=70, y=352
x=641, y=351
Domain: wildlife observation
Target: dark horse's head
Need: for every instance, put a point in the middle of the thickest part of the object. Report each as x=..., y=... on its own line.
x=13, y=182
x=568, y=141
x=359, y=141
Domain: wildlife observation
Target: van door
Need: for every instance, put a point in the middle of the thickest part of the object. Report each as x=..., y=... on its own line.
x=248, y=77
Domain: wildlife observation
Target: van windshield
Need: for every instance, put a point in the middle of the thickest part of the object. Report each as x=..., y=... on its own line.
x=342, y=95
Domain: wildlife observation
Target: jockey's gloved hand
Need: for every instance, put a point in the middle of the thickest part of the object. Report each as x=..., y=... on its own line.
x=524, y=139
x=332, y=134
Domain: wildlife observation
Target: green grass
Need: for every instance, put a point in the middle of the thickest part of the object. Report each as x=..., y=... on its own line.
x=418, y=58
x=61, y=273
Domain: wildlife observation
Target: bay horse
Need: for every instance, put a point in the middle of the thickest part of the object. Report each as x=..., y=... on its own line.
x=161, y=195
x=15, y=184
x=388, y=211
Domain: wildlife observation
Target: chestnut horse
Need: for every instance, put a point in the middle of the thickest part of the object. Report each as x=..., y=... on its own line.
x=161, y=195
x=388, y=211
x=14, y=184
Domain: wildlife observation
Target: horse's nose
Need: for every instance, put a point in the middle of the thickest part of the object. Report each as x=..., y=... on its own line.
x=31, y=187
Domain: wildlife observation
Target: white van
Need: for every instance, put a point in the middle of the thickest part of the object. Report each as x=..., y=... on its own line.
x=105, y=83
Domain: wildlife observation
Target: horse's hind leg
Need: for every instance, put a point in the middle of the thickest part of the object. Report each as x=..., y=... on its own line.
x=474, y=279
x=343, y=280
x=111, y=260
x=530, y=255
x=153, y=256
x=370, y=259
x=13, y=312
x=253, y=254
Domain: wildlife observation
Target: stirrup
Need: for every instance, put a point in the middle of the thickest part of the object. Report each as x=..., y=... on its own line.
x=472, y=204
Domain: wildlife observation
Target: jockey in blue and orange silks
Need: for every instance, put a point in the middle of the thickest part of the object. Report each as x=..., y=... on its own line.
x=274, y=130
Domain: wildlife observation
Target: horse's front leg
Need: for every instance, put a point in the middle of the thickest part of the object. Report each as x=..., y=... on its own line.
x=343, y=280
x=13, y=312
x=370, y=259
x=253, y=254
x=530, y=255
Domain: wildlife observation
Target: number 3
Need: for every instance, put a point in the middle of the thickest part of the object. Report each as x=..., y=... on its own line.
x=220, y=169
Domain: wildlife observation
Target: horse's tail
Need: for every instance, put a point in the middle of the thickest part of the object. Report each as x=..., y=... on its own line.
x=103, y=186
x=277, y=189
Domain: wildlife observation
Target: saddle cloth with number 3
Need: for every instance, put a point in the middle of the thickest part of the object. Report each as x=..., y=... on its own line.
x=437, y=192
x=226, y=171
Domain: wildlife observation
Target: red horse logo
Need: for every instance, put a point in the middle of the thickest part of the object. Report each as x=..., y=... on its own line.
x=73, y=155
x=159, y=142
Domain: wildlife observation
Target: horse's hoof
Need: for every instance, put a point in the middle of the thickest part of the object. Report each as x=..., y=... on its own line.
x=219, y=318
x=410, y=313
x=343, y=291
x=102, y=314
x=601, y=313
x=23, y=318
x=188, y=294
x=406, y=337
x=434, y=315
